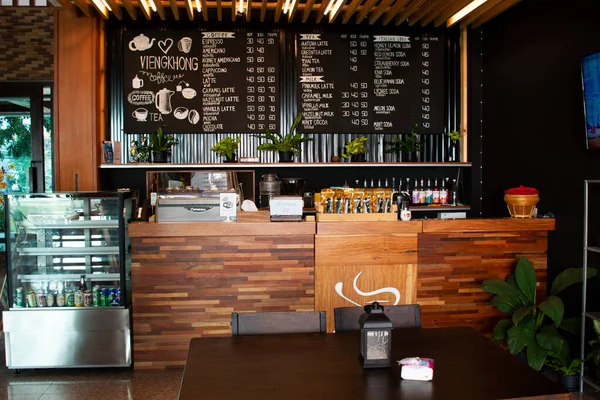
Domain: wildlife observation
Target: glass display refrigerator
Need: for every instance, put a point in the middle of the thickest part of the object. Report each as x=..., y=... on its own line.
x=68, y=280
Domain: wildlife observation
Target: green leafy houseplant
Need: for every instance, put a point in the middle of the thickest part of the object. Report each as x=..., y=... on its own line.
x=287, y=142
x=160, y=141
x=454, y=135
x=409, y=144
x=533, y=325
x=227, y=147
x=355, y=146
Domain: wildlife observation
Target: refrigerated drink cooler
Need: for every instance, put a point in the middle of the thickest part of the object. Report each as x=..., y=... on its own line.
x=68, y=280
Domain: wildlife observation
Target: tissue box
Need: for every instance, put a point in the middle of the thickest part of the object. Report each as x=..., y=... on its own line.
x=416, y=369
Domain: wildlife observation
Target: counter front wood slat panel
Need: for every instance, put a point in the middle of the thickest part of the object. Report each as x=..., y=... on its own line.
x=369, y=228
x=452, y=266
x=187, y=229
x=488, y=225
x=185, y=287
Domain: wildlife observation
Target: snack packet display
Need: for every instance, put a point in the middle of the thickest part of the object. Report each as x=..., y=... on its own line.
x=327, y=200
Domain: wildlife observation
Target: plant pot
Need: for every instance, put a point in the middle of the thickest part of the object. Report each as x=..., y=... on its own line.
x=360, y=157
x=454, y=151
x=569, y=382
x=286, y=156
x=159, y=156
x=231, y=159
x=409, y=156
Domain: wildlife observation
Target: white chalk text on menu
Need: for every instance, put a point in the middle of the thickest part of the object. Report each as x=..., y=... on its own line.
x=361, y=83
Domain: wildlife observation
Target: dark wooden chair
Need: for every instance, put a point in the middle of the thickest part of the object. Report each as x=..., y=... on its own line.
x=403, y=316
x=270, y=323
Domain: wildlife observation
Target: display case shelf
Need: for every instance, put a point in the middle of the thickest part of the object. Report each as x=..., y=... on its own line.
x=83, y=224
x=108, y=277
x=57, y=251
x=285, y=165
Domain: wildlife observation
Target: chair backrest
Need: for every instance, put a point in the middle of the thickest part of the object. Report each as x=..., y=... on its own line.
x=403, y=316
x=269, y=323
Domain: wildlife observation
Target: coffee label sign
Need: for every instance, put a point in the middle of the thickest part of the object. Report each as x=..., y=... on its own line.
x=192, y=82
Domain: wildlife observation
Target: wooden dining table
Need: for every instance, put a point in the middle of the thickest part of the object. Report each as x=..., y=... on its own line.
x=325, y=366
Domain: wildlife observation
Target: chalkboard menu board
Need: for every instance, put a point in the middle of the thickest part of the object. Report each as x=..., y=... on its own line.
x=193, y=81
x=370, y=83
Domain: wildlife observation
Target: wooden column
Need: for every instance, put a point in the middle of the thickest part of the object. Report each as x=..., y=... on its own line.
x=78, y=90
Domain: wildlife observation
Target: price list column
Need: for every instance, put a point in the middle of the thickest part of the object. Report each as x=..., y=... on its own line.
x=431, y=51
x=354, y=95
x=261, y=81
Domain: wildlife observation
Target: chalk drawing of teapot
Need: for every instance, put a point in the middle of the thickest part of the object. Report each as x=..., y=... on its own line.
x=339, y=290
x=141, y=43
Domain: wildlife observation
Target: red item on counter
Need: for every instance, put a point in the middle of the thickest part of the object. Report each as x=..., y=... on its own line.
x=522, y=190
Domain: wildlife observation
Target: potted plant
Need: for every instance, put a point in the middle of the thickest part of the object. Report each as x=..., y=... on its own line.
x=454, y=148
x=356, y=149
x=533, y=325
x=227, y=148
x=409, y=144
x=286, y=144
x=567, y=368
x=160, y=143
x=594, y=355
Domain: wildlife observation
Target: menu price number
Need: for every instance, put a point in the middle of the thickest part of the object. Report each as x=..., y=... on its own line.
x=425, y=82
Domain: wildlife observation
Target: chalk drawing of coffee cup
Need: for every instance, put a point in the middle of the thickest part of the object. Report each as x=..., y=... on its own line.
x=137, y=82
x=185, y=45
x=188, y=93
x=140, y=114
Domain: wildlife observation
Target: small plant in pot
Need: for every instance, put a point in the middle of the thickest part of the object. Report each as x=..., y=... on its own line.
x=287, y=144
x=533, y=326
x=454, y=149
x=593, y=357
x=160, y=143
x=227, y=148
x=408, y=145
x=356, y=149
x=567, y=368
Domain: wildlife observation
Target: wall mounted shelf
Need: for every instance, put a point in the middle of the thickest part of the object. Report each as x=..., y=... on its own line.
x=282, y=165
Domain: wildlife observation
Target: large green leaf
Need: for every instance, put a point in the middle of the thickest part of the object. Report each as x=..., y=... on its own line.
x=511, y=280
x=505, y=303
x=569, y=277
x=554, y=308
x=521, y=313
x=571, y=325
x=549, y=339
x=498, y=286
x=518, y=337
x=525, y=277
x=499, y=334
x=536, y=355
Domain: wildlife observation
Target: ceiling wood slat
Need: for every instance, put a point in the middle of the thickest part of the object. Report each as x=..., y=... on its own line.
x=307, y=9
x=322, y=9
x=494, y=12
x=332, y=17
x=263, y=10
x=190, y=9
x=364, y=10
x=278, y=10
x=219, y=11
x=84, y=7
x=116, y=9
x=408, y=11
x=393, y=11
x=421, y=13
x=351, y=9
x=439, y=7
x=293, y=9
x=174, y=9
x=450, y=11
x=379, y=10
x=145, y=9
x=233, y=9
x=472, y=16
x=67, y=5
x=101, y=8
x=204, y=8
x=131, y=10
x=160, y=10
x=249, y=11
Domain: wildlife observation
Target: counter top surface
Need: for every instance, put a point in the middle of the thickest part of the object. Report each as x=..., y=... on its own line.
x=488, y=225
x=175, y=229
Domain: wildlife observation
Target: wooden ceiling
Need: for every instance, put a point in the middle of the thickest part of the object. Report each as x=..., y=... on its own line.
x=424, y=13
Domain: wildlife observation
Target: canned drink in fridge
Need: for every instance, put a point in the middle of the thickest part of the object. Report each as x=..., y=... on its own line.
x=104, y=297
x=50, y=299
x=117, y=298
x=41, y=299
x=112, y=295
x=19, y=299
x=70, y=298
x=78, y=298
x=96, y=296
x=31, y=299
x=60, y=299
x=87, y=298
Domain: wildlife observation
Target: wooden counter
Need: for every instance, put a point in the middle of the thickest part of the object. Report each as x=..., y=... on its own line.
x=187, y=278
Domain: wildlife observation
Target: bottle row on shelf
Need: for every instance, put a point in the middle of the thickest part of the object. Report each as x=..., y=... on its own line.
x=60, y=294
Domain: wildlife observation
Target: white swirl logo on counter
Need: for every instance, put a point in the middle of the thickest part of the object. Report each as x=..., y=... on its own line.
x=141, y=97
x=340, y=286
